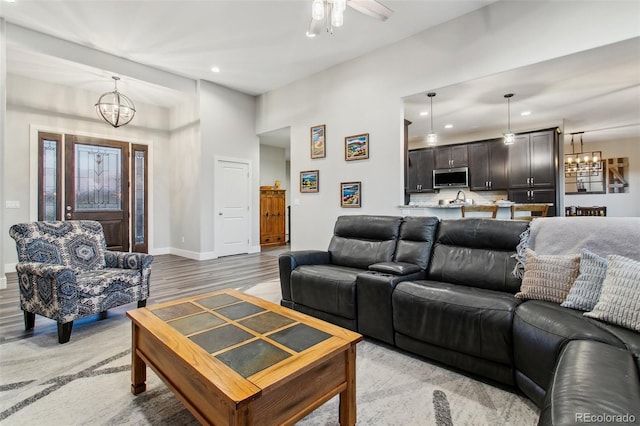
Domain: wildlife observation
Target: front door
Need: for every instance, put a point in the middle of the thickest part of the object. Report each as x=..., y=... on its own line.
x=97, y=186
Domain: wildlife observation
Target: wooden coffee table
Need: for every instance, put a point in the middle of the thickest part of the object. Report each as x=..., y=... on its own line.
x=235, y=359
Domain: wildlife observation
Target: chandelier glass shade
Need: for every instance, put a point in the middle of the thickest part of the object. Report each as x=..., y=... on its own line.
x=582, y=163
x=432, y=138
x=115, y=108
x=509, y=136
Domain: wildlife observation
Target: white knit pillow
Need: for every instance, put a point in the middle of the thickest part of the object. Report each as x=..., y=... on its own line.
x=548, y=277
x=619, y=301
x=585, y=292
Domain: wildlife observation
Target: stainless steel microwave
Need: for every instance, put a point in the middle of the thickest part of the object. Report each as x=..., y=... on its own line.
x=451, y=178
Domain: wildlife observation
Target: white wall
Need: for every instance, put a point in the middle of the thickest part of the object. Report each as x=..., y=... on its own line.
x=3, y=110
x=34, y=105
x=273, y=166
x=624, y=204
x=364, y=95
x=227, y=129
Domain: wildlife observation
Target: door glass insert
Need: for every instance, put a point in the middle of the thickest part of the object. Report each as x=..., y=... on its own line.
x=98, y=178
x=50, y=172
x=139, y=196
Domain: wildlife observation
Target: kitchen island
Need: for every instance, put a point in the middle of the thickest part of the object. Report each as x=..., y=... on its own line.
x=450, y=211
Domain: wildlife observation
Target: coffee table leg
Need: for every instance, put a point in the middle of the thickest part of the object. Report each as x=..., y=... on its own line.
x=348, y=396
x=138, y=366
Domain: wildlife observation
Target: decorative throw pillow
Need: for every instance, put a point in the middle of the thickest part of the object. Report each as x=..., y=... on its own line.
x=548, y=277
x=585, y=292
x=619, y=301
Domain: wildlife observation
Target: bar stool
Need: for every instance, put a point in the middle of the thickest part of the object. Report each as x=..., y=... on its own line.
x=493, y=209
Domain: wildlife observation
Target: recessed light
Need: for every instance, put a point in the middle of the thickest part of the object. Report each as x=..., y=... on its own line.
x=525, y=113
x=448, y=126
x=215, y=69
x=423, y=113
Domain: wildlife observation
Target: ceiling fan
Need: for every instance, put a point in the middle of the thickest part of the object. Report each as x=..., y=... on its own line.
x=330, y=13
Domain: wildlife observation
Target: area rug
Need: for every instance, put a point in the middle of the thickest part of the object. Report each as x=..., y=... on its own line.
x=87, y=381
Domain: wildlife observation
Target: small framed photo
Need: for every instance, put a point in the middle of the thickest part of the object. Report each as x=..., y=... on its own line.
x=356, y=147
x=318, y=141
x=350, y=194
x=309, y=181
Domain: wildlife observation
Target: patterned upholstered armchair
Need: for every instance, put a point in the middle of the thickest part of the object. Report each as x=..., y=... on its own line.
x=65, y=272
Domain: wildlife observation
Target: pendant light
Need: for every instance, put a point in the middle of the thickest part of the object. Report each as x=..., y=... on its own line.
x=432, y=138
x=115, y=108
x=509, y=136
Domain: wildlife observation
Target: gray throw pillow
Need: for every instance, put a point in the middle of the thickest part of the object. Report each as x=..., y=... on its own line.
x=548, y=277
x=619, y=301
x=585, y=291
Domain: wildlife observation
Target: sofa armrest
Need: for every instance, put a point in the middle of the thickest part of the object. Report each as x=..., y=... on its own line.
x=127, y=260
x=61, y=303
x=43, y=270
x=395, y=268
x=287, y=262
x=375, y=314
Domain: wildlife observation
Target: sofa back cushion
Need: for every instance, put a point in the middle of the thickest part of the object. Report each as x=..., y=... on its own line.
x=477, y=253
x=78, y=245
x=417, y=235
x=361, y=240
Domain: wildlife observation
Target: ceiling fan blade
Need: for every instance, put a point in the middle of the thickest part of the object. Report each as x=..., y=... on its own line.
x=314, y=28
x=371, y=8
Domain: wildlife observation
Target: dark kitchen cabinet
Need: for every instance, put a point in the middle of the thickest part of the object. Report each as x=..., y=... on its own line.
x=447, y=157
x=488, y=165
x=420, y=174
x=532, y=160
x=525, y=196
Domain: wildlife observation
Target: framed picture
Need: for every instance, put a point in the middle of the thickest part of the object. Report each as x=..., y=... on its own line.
x=309, y=181
x=356, y=147
x=350, y=194
x=318, y=141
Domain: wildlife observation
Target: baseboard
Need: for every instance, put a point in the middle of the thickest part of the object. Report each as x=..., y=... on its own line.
x=160, y=251
x=3, y=282
x=193, y=255
x=254, y=249
x=9, y=267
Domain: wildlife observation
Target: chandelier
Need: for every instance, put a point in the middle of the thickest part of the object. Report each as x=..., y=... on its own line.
x=115, y=108
x=582, y=163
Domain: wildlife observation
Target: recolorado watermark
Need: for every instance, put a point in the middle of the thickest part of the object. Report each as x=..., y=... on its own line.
x=603, y=418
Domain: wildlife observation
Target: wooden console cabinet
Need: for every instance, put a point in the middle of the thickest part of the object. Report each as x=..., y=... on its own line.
x=272, y=217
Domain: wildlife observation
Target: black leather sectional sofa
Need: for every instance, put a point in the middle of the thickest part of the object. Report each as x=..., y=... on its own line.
x=445, y=290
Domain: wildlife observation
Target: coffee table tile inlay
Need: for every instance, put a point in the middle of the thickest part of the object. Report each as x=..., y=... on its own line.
x=232, y=358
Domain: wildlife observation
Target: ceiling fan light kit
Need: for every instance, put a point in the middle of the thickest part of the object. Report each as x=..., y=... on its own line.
x=331, y=13
x=115, y=108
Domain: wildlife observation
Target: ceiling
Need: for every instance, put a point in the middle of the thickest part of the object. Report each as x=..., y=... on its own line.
x=261, y=45
x=258, y=45
x=596, y=91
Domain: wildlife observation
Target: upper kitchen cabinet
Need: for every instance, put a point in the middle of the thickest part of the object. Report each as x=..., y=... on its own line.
x=447, y=157
x=488, y=165
x=420, y=171
x=532, y=160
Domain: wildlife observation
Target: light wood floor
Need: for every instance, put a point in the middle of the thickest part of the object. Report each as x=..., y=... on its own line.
x=172, y=277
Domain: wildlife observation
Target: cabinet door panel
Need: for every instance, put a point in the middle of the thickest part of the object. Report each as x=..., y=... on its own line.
x=442, y=157
x=498, y=160
x=420, y=175
x=479, y=166
x=519, y=164
x=459, y=156
x=542, y=159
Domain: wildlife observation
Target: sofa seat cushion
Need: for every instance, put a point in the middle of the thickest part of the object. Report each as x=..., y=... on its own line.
x=596, y=380
x=327, y=288
x=473, y=321
x=107, y=280
x=540, y=331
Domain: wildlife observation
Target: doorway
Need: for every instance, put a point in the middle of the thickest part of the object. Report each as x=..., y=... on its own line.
x=233, y=207
x=92, y=181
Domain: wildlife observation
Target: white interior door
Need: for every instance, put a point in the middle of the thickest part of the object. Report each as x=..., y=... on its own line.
x=233, y=228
